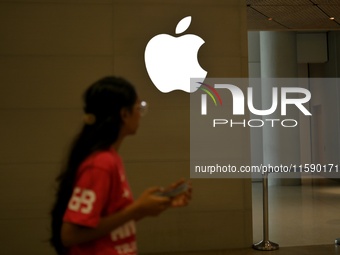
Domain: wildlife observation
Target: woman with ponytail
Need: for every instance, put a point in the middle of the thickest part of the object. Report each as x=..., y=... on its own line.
x=94, y=212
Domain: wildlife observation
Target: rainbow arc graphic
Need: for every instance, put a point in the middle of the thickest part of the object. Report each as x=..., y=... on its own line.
x=211, y=91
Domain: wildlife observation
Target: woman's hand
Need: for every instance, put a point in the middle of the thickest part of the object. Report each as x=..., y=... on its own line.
x=151, y=204
x=184, y=198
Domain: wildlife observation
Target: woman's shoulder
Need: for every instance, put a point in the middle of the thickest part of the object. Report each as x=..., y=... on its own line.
x=106, y=160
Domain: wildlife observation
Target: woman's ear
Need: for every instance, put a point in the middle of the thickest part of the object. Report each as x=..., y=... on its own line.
x=124, y=113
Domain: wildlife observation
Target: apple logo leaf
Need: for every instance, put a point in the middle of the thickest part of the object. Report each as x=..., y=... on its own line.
x=183, y=25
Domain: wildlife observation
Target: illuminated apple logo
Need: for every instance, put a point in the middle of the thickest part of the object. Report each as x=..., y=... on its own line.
x=172, y=61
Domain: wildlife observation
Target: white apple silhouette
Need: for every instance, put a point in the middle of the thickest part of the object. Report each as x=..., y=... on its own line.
x=172, y=61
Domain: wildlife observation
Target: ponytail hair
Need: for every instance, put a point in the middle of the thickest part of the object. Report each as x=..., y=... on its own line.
x=103, y=103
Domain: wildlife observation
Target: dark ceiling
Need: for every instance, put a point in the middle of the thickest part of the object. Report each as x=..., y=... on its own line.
x=293, y=15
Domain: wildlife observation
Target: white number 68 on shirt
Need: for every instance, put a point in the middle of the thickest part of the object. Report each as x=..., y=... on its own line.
x=82, y=200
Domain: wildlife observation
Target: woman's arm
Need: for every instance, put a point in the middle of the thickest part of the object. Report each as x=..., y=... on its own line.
x=147, y=204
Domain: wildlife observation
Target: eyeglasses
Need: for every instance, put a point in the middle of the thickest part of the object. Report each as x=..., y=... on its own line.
x=143, y=108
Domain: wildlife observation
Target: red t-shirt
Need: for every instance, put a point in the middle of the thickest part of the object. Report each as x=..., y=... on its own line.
x=101, y=189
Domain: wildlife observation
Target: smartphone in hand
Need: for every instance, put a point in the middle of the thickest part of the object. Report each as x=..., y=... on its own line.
x=173, y=192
